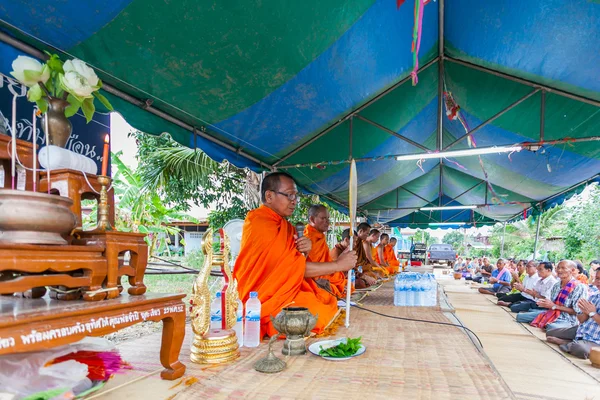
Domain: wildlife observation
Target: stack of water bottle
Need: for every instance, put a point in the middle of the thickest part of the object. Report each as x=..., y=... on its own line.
x=248, y=333
x=412, y=289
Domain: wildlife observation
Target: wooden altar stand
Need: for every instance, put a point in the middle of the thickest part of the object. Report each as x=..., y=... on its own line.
x=38, y=324
x=73, y=184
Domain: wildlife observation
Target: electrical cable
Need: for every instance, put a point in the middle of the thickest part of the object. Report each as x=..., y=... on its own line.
x=407, y=319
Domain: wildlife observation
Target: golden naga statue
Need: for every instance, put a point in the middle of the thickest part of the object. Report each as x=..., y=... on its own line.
x=216, y=345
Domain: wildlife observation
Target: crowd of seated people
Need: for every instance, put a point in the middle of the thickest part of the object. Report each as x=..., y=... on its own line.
x=554, y=298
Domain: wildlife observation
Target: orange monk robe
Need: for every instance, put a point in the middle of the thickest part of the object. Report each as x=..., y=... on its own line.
x=375, y=255
x=390, y=257
x=320, y=253
x=362, y=260
x=270, y=264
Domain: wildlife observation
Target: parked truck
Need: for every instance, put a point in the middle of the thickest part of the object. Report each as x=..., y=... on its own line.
x=441, y=254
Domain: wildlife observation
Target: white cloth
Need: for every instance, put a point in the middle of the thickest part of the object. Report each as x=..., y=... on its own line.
x=544, y=286
x=529, y=282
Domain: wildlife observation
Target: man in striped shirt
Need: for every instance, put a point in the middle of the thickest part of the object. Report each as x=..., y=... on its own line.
x=578, y=340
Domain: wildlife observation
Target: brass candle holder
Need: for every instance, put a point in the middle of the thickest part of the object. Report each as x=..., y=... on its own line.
x=103, y=207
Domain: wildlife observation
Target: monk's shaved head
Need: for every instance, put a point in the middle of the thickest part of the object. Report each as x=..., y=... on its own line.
x=393, y=239
x=363, y=226
x=346, y=233
x=315, y=209
x=374, y=231
x=272, y=182
x=384, y=236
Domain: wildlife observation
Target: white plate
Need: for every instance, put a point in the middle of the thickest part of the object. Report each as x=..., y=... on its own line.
x=316, y=347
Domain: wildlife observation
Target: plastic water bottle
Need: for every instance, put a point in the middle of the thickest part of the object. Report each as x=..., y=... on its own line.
x=417, y=302
x=352, y=278
x=252, y=326
x=239, y=323
x=410, y=289
x=215, y=312
x=397, y=283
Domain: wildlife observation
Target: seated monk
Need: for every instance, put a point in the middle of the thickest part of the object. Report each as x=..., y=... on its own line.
x=318, y=225
x=375, y=261
x=339, y=248
x=390, y=256
x=366, y=276
x=379, y=254
x=271, y=262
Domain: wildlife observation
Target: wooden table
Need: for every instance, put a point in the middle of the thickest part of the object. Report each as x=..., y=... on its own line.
x=38, y=324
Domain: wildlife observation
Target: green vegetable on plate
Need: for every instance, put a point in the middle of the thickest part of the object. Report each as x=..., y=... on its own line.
x=347, y=349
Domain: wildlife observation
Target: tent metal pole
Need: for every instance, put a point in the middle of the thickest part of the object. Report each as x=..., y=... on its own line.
x=524, y=81
x=440, y=116
x=144, y=104
x=347, y=116
x=391, y=132
x=542, y=115
x=502, y=248
x=525, y=145
x=466, y=191
x=586, y=182
x=491, y=119
x=537, y=235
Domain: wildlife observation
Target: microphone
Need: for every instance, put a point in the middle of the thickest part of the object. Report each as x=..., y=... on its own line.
x=299, y=229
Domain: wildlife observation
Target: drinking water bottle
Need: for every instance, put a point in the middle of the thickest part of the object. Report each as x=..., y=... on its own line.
x=397, y=290
x=239, y=323
x=215, y=312
x=352, y=278
x=252, y=325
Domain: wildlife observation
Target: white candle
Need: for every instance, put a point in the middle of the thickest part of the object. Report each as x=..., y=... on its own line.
x=47, y=153
x=34, y=140
x=13, y=156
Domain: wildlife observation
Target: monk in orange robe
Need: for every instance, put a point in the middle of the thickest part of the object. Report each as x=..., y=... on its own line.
x=365, y=273
x=384, y=241
x=318, y=225
x=271, y=261
x=377, y=264
x=390, y=256
x=340, y=247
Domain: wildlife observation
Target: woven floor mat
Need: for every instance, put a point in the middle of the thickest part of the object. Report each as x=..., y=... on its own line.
x=403, y=359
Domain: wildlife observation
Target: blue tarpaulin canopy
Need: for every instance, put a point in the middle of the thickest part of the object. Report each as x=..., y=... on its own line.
x=305, y=86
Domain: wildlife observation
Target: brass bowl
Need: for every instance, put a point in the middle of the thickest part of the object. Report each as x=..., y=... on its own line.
x=34, y=218
x=457, y=275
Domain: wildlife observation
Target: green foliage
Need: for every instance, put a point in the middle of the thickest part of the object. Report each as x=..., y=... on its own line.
x=344, y=349
x=422, y=236
x=182, y=175
x=456, y=239
x=582, y=233
x=143, y=211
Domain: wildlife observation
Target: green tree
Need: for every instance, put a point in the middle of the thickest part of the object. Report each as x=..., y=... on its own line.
x=582, y=234
x=140, y=210
x=455, y=238
x=182, y=175
x=422, y=236
x=520, y=236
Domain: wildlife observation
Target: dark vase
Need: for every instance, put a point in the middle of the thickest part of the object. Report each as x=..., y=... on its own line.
x=59, y=126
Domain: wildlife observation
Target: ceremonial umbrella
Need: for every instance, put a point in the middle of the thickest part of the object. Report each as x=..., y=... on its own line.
x=352, y=187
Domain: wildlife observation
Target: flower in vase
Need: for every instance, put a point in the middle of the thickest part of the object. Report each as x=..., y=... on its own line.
x=30, y=71
x=81, y=68
x=76, y=84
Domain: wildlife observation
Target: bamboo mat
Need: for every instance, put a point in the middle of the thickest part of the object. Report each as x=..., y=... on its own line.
x=403, y=359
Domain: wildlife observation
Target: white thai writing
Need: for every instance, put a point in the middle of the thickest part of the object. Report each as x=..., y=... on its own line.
x=5, y=343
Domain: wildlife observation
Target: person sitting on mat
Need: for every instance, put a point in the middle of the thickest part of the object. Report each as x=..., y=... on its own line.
x=561, y=307
x=485, y=271
x=530, y=279
x=578, y=340
x=500, y=279
x=542, y=289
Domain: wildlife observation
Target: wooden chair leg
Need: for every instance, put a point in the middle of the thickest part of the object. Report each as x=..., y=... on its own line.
x=172, y=339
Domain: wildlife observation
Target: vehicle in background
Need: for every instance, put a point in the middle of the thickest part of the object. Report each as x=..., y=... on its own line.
x=441, y=254
x=418, y=254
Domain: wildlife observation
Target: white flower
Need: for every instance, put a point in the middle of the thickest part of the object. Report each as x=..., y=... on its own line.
x=82, y=69
x=76, y=84
x=30, y=71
